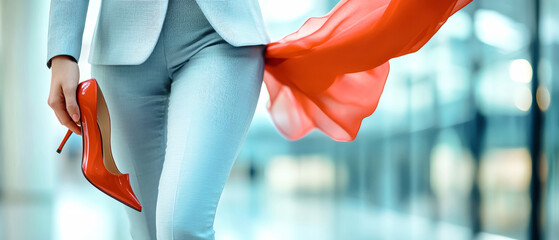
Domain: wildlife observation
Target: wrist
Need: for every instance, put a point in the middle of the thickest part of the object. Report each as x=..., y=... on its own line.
x=61, y=59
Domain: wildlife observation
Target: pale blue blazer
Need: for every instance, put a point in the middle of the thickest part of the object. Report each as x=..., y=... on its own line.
x=127, y=30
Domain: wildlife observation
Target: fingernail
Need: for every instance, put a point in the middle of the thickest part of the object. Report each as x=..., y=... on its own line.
x=75, y=117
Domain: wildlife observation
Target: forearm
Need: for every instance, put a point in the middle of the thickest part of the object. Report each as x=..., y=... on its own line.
x=66, y=26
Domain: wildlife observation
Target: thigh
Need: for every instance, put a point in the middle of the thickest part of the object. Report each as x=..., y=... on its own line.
x=137, y=98
x=212, y=103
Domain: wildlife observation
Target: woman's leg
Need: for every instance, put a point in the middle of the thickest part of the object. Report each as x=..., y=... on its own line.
x=211, y=105
x=137, y=98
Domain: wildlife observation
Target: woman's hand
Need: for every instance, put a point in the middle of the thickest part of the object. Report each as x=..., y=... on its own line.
x=62, y=97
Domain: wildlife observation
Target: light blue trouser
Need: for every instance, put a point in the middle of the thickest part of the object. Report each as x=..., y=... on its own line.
x=178, y=122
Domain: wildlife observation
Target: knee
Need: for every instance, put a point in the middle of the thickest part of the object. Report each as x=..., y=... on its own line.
x=185, y=225
x=192, y=232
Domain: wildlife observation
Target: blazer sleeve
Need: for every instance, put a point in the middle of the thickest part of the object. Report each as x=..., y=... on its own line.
x=65, y=30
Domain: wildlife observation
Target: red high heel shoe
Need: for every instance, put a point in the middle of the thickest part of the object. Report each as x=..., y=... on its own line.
x=98, y=165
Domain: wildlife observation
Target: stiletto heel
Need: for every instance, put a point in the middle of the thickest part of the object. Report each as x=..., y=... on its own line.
x=98, y=165
x=59, y=149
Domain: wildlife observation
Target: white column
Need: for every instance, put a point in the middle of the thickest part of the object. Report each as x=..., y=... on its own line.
x=28, y=127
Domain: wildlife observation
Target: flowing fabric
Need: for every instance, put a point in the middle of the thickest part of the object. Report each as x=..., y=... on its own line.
x=330, y=74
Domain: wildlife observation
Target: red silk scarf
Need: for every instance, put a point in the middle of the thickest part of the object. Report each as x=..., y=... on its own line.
x=330, y=74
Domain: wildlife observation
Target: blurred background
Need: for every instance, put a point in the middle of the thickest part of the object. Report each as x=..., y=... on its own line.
x=464, y=143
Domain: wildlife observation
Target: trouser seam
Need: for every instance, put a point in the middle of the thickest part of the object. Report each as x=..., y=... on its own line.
x=163, y=146
x=165, y=56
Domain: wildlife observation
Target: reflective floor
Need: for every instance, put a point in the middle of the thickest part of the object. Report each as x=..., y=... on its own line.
x=247, y=211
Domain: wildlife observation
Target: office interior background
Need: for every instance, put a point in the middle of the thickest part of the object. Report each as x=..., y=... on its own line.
x=463, y=145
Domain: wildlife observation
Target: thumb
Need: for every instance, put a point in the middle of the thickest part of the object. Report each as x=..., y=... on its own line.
x=71, y=103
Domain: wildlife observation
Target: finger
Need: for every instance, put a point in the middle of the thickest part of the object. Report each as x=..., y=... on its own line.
x=71, y=103
x=64, y=118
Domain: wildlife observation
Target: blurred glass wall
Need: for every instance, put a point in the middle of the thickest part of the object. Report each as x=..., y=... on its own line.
x=463, y=145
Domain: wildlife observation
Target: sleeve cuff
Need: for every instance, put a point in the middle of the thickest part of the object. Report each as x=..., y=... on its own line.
x=49, y=62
